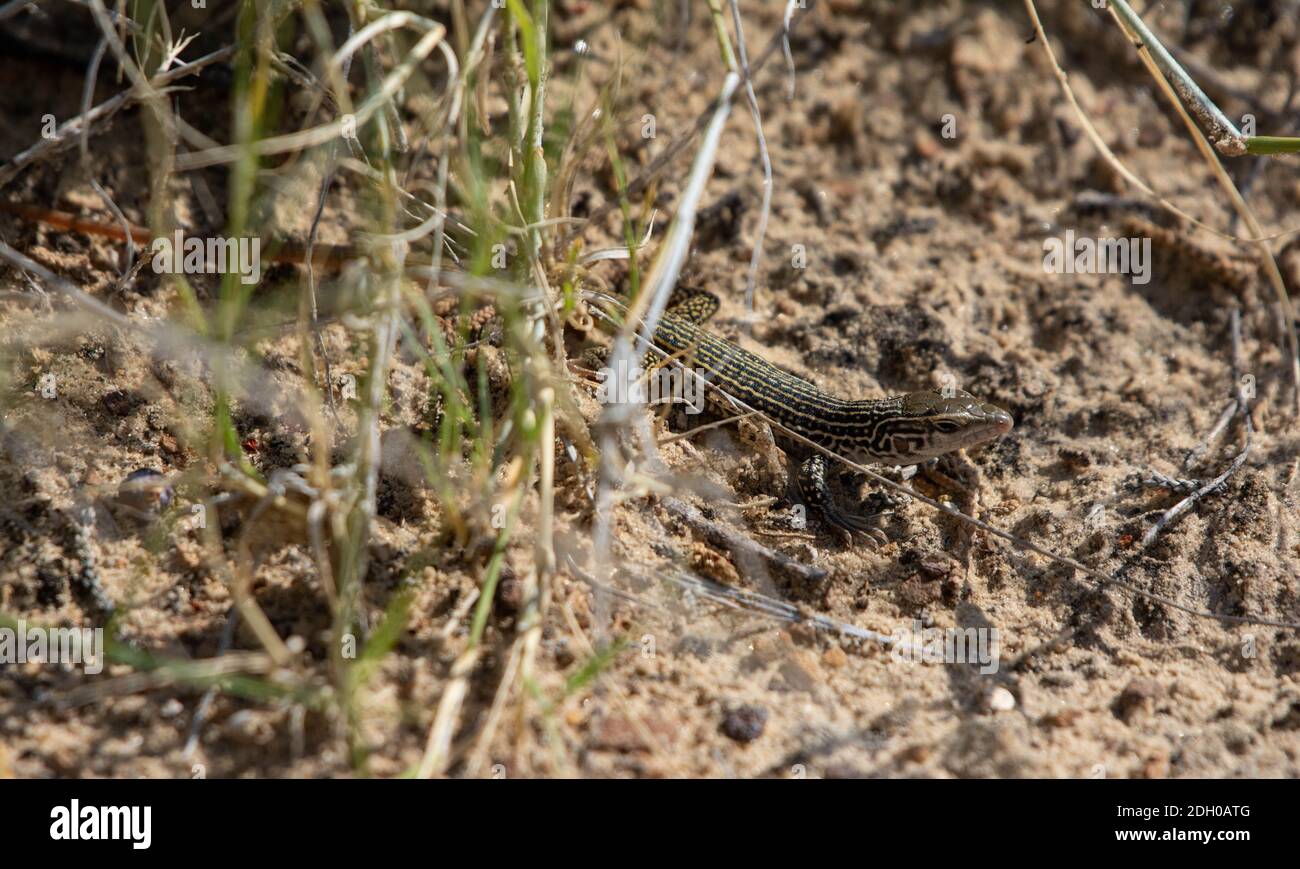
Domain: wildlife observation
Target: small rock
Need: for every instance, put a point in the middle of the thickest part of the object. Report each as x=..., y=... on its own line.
x=834, y=657
x=118, y=402
x=1061, y=718
x=618, y=732
x=1138, y=698
x=915, y=754
x=249, y=727
x=1000, y=700
x=714, y=565
x=936, y=565
x=509, y=594
x=1074, y=459
x=563, y=654
x=744, y=723
x=916, y=591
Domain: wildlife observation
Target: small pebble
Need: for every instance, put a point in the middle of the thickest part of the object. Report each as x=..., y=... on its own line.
x=1136, y=700
x=1001, y=700
x=744, y=723
x=563, y=654
x=509, y=598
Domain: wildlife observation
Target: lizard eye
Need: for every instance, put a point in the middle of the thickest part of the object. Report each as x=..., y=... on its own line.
x=946, y=426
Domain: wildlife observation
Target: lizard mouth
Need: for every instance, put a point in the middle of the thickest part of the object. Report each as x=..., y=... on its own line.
x=999, y=419
x=994, y=423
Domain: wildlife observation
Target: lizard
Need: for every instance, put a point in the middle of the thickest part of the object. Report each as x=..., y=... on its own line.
x=906, y=429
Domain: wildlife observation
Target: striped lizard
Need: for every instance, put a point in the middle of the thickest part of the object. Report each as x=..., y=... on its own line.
x=902, y=430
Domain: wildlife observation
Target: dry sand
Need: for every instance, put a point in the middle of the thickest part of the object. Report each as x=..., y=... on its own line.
x=924, y=259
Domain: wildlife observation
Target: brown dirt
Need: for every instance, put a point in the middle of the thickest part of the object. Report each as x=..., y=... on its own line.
x=924, y=259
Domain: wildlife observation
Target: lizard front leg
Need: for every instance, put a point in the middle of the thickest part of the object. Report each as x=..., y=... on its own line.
x=814, y=488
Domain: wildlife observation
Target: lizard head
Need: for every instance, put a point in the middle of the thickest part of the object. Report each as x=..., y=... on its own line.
x=930, y=423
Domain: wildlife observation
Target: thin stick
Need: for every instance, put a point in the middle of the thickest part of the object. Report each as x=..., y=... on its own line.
x=706, y=427
x=1176, y=512
x=437, y=749
x=537, y=590
x=785, y=47
x=319, y=135
x=1241, y=404
x=1198, y=453
x=1109, y=156
x=739, y=599
x=1225, y=135
x=1266, y=258
x=88, y=94
x=505, y=688
x=65, y=136
x=652, y=301
x=327, y=179
x=205, y=702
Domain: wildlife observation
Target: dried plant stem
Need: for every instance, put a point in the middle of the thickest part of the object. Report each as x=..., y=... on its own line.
x=1257, y=235
x=1227, y=138
x=437, y=750
x=505, y=689
x=68, y=133
x=319, y=135
x=1094, y=137
x=674, y=150
x=1240, y=406
x=645, y=312
x=1266, y=259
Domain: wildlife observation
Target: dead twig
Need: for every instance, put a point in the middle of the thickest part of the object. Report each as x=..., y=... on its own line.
x=68, y=135
x=1240, y=406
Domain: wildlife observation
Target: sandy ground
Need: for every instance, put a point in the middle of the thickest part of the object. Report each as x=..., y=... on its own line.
x=924, y=266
